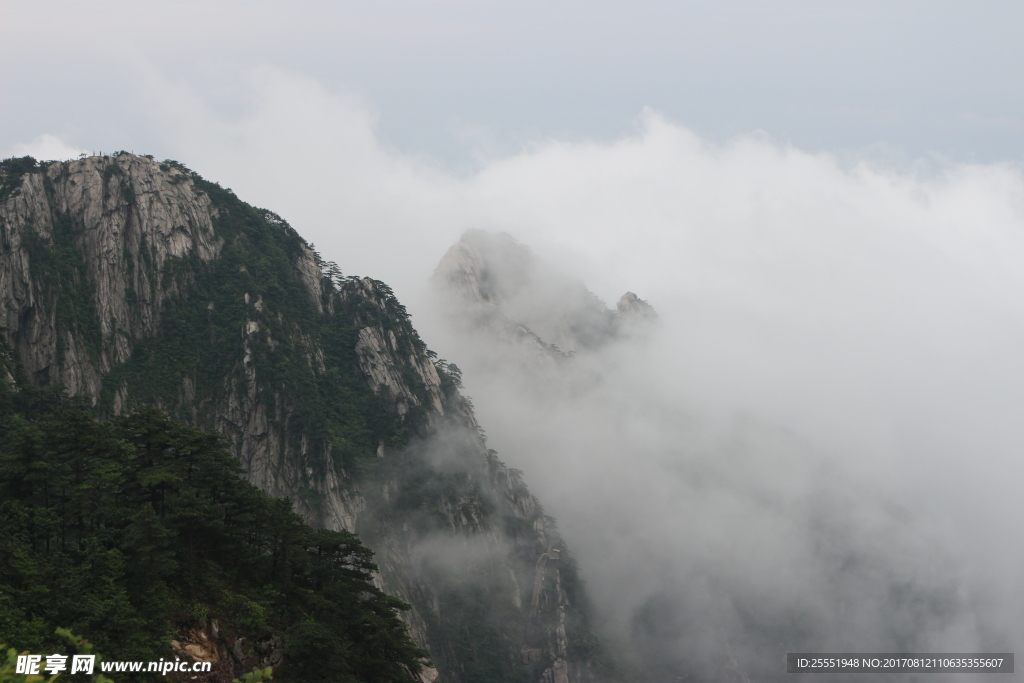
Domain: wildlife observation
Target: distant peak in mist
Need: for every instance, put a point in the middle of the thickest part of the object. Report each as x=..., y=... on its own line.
x=496, y=284
x=632, y=307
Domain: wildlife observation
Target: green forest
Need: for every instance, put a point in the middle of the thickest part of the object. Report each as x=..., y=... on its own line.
x=132, y=530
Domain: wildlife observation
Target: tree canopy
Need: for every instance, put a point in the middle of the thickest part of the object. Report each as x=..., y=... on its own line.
x=131, y=530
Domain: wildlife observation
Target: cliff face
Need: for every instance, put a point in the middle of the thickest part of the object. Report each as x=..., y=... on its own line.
x=68, y=234
x=132, y=281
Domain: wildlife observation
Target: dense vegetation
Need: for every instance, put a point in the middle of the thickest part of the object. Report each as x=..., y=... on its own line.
x=132, y=530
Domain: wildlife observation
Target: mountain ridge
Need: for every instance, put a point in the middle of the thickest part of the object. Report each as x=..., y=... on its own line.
x=137, y=282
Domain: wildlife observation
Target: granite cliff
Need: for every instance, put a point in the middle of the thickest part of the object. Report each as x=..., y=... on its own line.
x=132, y=281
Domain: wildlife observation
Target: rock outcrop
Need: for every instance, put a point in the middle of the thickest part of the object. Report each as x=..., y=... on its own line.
x=132, y=281
x=98, y=234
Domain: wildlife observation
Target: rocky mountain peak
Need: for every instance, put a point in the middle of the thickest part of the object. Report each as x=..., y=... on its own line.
x=633, y=308
x=497, y=285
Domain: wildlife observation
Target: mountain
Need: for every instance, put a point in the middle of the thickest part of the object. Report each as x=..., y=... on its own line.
x=496, y=285
x=134, y=282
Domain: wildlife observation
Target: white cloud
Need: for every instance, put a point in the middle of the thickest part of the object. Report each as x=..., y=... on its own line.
x=47, y=147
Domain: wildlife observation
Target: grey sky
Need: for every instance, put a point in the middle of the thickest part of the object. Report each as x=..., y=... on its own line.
x=453, y=79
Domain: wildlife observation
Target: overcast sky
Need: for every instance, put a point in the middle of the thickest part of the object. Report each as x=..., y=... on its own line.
x=456, y=79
